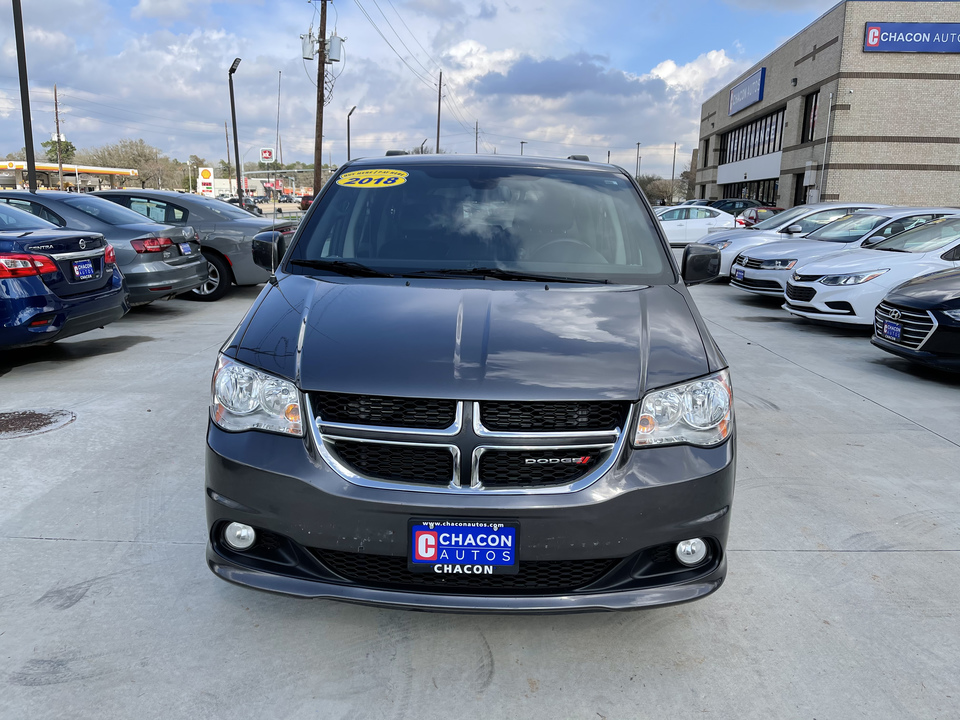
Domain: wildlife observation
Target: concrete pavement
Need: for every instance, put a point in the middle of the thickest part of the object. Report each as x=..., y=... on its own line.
x=839, y=601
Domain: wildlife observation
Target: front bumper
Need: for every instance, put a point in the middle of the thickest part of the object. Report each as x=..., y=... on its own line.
x=850, y=305
x=760, y=282
x=651, y=499
x=941, y=351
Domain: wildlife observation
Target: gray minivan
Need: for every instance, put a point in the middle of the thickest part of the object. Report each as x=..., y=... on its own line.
x=474, y=383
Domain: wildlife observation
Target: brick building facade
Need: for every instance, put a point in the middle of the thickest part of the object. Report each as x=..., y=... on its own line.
x=894, y=117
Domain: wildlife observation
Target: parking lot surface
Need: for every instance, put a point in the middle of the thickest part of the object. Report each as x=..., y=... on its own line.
x=840, y=600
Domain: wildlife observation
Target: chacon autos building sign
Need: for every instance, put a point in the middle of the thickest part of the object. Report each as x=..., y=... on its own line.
x=911, y=37
x=747, y=92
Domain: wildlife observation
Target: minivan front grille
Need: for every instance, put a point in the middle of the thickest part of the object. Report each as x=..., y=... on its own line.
x=383, y=411
x=501, y=468
x=398, y=463
x=483, y=446
x=533, y=578
x=552, y=416
x=916, y=325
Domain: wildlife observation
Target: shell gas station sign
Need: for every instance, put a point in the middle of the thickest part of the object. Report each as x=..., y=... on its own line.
x=205, y=181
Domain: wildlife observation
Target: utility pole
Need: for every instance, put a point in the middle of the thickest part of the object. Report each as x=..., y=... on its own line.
x=439, y=98
x=56, y=112
x=476, y=139
x=25, y=97
x=321, y=89
x=226, y=137
x=522, y=143
x=673, y=173
x=638, y=163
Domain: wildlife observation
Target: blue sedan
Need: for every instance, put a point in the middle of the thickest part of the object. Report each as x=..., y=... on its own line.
x=54, y=283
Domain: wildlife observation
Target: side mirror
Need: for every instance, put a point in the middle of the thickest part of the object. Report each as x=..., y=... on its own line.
x=794, y=230
x=268, y=248
x=872, y=240
x=700, y=264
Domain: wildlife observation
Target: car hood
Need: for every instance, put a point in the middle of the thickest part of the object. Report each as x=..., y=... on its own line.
x=474, y=340
x=799, y=249
x=861, y=259
x=939, y=289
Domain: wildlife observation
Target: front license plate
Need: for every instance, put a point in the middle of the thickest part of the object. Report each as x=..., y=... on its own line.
x=83, y=269
x=185, y=248
x=892, y=330
x=463, y=547
x=738, y=274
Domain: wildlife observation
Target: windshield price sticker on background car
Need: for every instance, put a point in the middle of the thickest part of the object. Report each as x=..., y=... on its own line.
x=463, y=547
x=375, y=178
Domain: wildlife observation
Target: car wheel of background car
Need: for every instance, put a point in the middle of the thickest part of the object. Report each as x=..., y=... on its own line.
x=218, y=279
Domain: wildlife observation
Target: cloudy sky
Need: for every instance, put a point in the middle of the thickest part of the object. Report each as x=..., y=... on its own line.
x=566, y=76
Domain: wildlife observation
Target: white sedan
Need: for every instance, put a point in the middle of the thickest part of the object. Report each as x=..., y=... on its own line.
x=764, y=270
x=847, y=286
x=788, y=225
x=688, y=223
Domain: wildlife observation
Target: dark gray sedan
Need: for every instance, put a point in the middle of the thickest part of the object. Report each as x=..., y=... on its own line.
x=226, y=233
x=157, y=260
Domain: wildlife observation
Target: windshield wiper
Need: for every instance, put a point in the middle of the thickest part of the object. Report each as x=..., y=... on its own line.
x=342, y=267
x=889, y=249
x=501, y=274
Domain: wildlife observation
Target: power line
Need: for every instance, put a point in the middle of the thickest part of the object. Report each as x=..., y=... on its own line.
x=412, y=54
x=402, y=59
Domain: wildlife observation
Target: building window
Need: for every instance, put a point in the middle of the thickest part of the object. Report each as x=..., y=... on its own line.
x=765, y=191
x=706, y=153
x=760, y=137
x=799, y=191
x=810, y=103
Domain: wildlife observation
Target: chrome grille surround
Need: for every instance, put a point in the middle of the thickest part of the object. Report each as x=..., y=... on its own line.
x=467, y=440
x=918, y=325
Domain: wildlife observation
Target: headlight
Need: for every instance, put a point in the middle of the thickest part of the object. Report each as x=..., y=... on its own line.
x=852, y=279
x=699, y=412
x=777, y=264
x=248, y=399
x=722, y=245
x=954, y=314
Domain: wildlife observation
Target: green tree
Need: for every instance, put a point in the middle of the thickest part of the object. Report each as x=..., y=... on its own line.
x=68, y=150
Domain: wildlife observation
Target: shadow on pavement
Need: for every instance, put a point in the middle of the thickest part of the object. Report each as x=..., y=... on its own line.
x=69, y=351
x=921, y=372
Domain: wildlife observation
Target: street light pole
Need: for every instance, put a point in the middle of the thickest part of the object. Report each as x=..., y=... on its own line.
x=638, y=162
x=25, y=97
x=522, y=143
x=348, y=131
x=236, y=142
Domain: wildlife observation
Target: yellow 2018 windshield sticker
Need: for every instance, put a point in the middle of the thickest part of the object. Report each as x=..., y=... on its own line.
x=378, y=178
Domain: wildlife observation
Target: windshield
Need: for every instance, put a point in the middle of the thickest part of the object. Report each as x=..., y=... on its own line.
x=848, y=228
x=926, y=238
x=105, y=210
x=779, y=219
x=12, y=219
x=563, y=223
x=221, y=208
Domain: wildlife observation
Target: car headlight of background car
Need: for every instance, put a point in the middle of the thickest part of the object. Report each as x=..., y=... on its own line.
x=952, y=314
x=852, y=278
x=719, y=245
x=248, y=399
x=777, y=264
x=698, y=412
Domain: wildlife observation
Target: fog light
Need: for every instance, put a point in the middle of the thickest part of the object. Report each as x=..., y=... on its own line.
x=241, y=537
x=690, y=552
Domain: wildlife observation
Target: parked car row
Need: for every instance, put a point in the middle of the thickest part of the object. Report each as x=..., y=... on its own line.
x=896, y=269
x=150, y=244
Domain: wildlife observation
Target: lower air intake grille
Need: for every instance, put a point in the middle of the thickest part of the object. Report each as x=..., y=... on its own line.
x=398, y=463
x=802, y=294
x=385, y=411
x=534, y=578
x=536, y=468
x=552, y=416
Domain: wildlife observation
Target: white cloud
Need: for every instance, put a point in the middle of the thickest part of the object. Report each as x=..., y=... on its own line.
x=167, y=10
x=707, y=71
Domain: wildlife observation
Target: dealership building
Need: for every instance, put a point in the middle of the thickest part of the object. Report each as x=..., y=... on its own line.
x=862, y=105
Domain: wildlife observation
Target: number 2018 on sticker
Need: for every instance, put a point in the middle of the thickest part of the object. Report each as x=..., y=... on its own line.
x=372, y=181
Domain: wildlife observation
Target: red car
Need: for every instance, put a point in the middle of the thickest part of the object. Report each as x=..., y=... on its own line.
x=305, y=201
x=751, y=216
